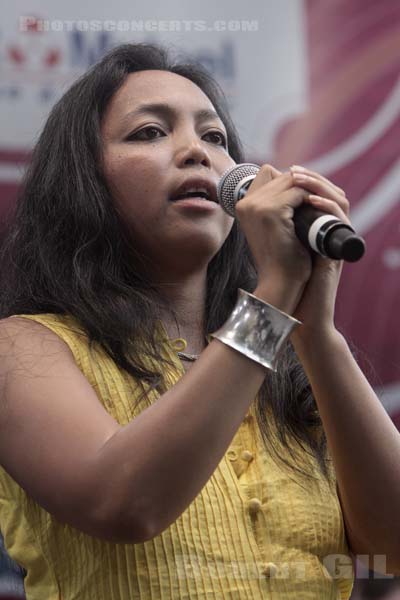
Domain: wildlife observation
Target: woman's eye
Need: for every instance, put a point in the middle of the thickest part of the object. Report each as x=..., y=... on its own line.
x=218, y=138
x=147, y=133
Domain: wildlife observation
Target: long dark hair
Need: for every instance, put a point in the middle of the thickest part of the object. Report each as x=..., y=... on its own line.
x=66, y=250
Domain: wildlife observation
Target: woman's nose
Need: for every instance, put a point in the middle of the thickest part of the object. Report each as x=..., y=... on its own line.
x=193, y=152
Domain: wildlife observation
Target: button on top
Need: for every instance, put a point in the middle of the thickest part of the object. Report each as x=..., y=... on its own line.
x=255, y=505
x=270, y=569
x=232, y=454
x=247, y=456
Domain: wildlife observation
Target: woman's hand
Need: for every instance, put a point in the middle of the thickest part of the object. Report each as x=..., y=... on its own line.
x=304, y=285
x=265, y=215
x=317, y=305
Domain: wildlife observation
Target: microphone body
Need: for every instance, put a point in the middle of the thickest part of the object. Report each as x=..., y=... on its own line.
x=318, y=231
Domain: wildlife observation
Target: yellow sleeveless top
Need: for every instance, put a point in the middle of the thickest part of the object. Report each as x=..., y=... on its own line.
x=256, y=529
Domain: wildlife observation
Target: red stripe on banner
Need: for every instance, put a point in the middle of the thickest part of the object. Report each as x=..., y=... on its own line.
x=353, y=33
x=368, y=298
x=356, y=111
x=8, y=194
x=14, y=156
x=336, y=112
x=362, y=174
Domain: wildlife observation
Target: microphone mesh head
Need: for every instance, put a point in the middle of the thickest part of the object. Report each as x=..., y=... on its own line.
x=228, y=190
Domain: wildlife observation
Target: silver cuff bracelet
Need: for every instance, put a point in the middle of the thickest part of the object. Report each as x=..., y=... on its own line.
x=256, y=329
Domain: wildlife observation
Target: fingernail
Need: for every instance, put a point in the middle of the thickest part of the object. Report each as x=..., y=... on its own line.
x=301, y=177
x=298, y=168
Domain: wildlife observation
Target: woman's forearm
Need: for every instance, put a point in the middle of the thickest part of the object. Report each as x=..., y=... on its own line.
x=155, y=466
x=363, y=442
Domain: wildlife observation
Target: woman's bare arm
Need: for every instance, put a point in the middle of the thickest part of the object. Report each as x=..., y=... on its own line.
x=364, y=444
x=118, y=483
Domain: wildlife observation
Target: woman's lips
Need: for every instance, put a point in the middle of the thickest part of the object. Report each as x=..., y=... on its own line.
x=197, y=202
x=193, y=185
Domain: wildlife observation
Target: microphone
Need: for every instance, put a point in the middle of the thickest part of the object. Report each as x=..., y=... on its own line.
x=320, y=232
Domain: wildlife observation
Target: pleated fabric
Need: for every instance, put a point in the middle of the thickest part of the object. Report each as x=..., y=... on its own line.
x=256, y=529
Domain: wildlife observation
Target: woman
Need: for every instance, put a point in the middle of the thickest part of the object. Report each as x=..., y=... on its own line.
x=143, y=456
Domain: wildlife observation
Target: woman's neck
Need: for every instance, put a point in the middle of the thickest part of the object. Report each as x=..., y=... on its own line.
x=187, y=298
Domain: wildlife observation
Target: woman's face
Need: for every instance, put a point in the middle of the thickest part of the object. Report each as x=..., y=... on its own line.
x=150, y=152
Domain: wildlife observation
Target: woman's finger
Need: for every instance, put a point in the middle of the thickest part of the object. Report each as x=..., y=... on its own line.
x=267, y=174
x=328, y=206
x=305, y=171
x=274, y=172
x=321, y=188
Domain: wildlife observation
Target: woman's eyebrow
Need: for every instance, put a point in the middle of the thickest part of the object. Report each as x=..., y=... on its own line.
x=167, y=111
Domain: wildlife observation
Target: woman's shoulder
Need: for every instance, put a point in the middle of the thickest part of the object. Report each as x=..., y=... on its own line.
x=28, y=335
x=64, y=325
x=37, y=334
x=48, y=319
